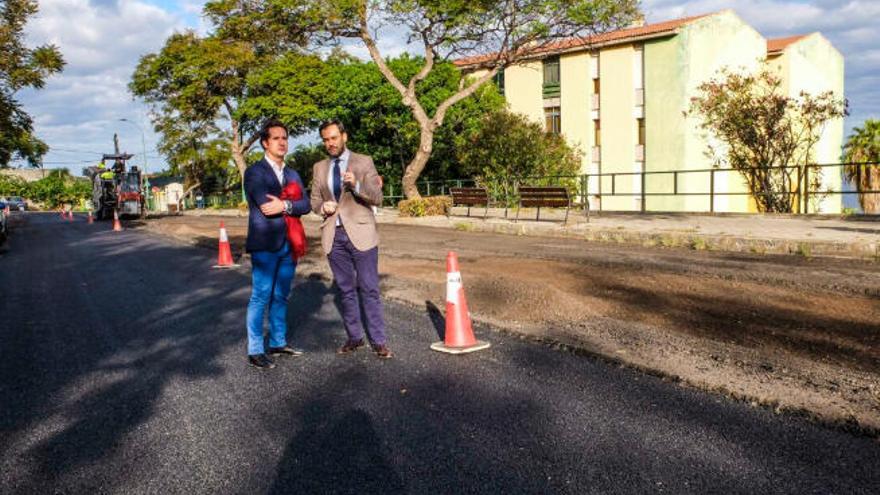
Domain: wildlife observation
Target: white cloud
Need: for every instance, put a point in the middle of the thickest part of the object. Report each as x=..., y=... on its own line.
x=101, y=41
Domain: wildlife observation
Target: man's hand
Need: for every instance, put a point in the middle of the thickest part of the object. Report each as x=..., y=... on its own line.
x=328, y=208
x=273, y=207
x=348, y=179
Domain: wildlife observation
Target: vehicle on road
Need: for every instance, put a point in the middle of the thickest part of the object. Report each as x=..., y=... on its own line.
x=116, y=188
x=15, y=203
x=4, y=215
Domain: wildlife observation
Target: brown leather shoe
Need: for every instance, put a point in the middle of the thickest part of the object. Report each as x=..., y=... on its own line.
x=350, y=346
x=382, y=351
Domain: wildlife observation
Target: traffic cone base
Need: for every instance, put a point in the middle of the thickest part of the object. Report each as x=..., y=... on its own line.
x=442, y=347
x=233, y=265
x=224, y=253
x=459, y=335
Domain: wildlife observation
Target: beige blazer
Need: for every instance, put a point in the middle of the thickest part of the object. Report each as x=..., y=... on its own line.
x=355, y=207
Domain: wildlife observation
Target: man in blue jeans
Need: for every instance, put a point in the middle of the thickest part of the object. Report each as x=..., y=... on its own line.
x=272, y=266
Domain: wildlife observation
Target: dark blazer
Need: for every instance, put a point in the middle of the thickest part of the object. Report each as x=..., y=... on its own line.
x=267, y=233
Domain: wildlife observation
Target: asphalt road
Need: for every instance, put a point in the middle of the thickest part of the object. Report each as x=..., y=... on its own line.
x=122, y=370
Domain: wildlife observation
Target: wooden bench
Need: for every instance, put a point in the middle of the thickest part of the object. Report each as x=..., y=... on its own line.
x=551, y=197
x=469, y=196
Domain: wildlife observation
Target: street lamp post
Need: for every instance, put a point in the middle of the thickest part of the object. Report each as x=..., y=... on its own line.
x=146, y=185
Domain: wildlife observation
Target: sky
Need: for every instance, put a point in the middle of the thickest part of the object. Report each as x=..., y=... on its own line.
x=79, y=110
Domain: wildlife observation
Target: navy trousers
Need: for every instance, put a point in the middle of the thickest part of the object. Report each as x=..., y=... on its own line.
x=358, y=272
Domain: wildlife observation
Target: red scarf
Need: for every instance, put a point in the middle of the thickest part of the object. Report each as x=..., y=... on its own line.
x=295, y=232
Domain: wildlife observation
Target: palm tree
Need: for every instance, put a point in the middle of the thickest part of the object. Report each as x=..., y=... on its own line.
x=862, y=153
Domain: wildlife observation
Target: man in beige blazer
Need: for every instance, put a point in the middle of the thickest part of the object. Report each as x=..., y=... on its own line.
x=344, y=189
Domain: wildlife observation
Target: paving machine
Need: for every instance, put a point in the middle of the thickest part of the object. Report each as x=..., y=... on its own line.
x=114, y=187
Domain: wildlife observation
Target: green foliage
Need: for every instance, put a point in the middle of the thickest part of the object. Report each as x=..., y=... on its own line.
x=765, y=133
x=303, y=158
x=508, y=148
x=513, y=29
x=380, y=125
x=57, y=188
x=862, y=152
x=21, y=67
x=13, y=185
x=426, y=206
x=198, y=84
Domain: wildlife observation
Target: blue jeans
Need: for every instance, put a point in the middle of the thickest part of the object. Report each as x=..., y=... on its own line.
x=272, y=272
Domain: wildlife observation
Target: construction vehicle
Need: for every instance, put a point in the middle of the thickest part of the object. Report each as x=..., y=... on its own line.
x=114, y=187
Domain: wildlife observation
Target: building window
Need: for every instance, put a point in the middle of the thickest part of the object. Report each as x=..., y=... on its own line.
x=498, y=79
x=596, y=86
x=597, y=133
x=641, y=131
x=553, y=120
x=551, y=78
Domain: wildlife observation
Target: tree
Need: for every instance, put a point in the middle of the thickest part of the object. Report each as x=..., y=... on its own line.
x=231, y=78
x=192, y=152
x=59, y=187
x=21, y=67
x=862, y=152
x=380, y=125
x=515, y=30
x=764, y=134
x=508, y=146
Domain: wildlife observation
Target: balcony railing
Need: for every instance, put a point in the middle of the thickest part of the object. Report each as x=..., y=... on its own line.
x=552, y=90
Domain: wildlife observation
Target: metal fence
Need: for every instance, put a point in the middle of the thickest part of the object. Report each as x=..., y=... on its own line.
x=646, y=186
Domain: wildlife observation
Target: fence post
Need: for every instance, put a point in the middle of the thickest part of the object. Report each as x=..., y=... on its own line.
x=429, y=188
x=712, y=191
x=644, y=197
x=806, y=188
x=613, y=186
x=675, y=183
x=391, y=192
x=799, y=194
x=585, y=192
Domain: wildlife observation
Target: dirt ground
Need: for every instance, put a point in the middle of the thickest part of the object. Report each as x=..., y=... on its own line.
x=800, y=335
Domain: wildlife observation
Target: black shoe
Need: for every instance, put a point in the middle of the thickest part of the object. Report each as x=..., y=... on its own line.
x=286, y=350
x=260, y=361
x=350, y=346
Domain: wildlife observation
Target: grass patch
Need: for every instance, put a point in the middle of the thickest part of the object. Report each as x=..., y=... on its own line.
x=463, y=226
x=699, y=244
x=804, y=249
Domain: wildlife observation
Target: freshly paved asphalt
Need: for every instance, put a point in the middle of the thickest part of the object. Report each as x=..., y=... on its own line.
x=122, y=370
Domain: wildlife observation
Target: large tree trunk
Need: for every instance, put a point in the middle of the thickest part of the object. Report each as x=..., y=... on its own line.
x=415, y=167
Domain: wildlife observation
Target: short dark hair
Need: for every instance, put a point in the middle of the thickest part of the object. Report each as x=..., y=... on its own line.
x=328, y=123
x=268, y=124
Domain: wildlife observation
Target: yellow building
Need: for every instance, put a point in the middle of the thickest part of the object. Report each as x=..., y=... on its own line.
x=621, y=100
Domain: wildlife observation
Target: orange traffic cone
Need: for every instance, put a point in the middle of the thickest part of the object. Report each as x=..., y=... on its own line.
x=117, y=227
x=459, y=335
x=224, y=255
x=91, y=219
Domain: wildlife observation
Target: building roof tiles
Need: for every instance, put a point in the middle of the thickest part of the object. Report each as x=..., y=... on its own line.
x=778, y=45
x=610, y=38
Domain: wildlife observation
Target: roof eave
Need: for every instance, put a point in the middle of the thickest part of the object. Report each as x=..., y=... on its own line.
x=580, y=48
